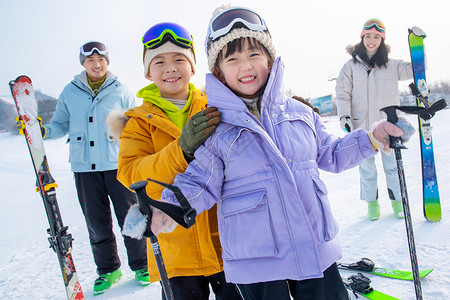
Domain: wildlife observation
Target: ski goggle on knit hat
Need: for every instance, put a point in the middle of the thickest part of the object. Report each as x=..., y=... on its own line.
x=162, y=32
x=374, y=25
x=90, y=48
x=232, y=23
x=164, y=38
x=225, y=21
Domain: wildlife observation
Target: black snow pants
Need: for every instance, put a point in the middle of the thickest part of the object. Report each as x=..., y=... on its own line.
x=95, y=190
x=326, y=288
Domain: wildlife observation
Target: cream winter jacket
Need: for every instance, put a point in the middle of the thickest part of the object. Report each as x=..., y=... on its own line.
x=361, y=92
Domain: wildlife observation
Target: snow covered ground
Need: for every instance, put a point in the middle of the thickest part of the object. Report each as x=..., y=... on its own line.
x=29, y=269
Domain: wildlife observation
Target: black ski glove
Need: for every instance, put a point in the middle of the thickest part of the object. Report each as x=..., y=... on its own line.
x=346, y=123
x=197, y=130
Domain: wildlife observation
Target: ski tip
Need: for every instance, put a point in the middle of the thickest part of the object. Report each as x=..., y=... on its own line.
x=425, y=272
x=23, y=78
x=417, y=31
x=422, y=274
x=20, y=79
x=433, y=219
x=433, y=216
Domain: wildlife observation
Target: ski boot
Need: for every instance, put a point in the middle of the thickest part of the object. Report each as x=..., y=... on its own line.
x=374, y=210
x=397, y=206
x=105, y=281
x=142, y=276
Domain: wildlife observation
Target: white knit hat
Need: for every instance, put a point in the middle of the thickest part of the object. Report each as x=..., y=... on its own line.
x=213, y=48
x=167, y=48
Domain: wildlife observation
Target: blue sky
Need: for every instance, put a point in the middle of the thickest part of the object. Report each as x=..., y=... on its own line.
x=41, y=39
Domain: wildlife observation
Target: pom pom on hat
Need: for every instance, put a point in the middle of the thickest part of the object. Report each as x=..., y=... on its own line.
x=167, y=48
x=375, y=26
x=213, y=48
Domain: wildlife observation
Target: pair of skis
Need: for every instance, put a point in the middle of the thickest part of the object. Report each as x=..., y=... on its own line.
x=60, y=241
x=360, y=284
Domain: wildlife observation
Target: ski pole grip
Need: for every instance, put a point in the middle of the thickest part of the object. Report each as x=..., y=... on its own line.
x=138, y=185
x=139, y=189
x=395, y=142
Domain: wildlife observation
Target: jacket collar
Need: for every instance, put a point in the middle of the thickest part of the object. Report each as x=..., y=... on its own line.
x=81, y=81
x=151, y=94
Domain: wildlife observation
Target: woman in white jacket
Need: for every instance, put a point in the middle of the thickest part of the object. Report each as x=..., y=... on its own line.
x=367, y=83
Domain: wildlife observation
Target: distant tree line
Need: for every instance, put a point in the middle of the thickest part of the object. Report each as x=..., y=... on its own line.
x=440, y=87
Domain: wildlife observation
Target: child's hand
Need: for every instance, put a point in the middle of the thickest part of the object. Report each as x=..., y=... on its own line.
x=198, y=129
x=379, y=135
x=406, y=127
x=135, y=223
x=161, y=222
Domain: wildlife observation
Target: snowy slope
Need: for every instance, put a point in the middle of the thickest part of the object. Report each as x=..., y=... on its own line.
x=29, y=269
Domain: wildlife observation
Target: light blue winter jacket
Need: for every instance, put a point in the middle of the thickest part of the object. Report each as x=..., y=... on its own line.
x=274, y=217
x=82, y=114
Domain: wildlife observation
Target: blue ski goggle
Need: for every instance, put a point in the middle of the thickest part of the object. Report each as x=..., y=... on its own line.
x=160, y=33
x=231, y=18
x=89, y=48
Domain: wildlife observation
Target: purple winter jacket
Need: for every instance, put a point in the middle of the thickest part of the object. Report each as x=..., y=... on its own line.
x=275, y=220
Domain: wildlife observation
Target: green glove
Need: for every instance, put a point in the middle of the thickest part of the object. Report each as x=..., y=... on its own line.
x=197, y=130
x=21, y=126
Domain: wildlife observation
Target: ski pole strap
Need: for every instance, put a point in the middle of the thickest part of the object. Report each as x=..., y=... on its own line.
x=425, y=113
x=189, y=213
x=184, y=215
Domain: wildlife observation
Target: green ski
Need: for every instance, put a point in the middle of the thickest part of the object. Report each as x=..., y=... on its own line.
x=367, y=265
x=360, y=286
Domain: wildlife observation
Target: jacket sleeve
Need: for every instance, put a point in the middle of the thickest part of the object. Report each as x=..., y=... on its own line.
x=344, y=86
x=138, y=159
x=128, y=99
x=404, y=70
x=59, y=126
x=202, y=181
x=336, y=154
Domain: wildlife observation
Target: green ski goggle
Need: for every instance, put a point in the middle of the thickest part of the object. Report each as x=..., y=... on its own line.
x=160, y=33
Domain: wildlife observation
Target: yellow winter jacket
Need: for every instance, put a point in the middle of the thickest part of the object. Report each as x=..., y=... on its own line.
x=149, y=147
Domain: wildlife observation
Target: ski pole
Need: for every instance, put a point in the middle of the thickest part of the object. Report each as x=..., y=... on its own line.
x=139, y=188
x=397, y=145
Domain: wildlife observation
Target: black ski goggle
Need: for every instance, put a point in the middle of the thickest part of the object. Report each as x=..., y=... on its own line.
x=89, y=48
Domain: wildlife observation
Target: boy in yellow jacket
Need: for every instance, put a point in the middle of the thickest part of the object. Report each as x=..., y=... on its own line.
x=157, y=140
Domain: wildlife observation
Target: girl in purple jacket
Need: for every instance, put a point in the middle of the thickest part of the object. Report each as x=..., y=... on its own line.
x=261, y=168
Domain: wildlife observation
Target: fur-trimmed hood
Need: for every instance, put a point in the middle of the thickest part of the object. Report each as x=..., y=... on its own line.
x=351, y=48
x=117, y=118
x=116, y=121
